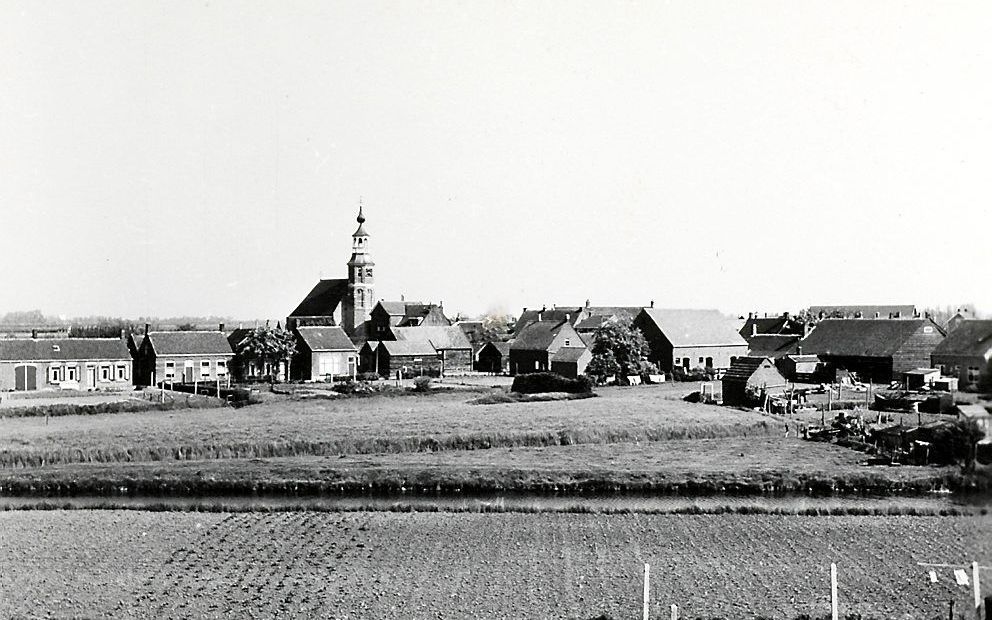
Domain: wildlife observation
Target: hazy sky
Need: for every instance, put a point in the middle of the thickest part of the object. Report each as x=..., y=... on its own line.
x=168, y=158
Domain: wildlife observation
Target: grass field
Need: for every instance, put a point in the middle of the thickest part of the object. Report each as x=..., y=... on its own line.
x=431, y=422
x=387, y=565
x=700, y=466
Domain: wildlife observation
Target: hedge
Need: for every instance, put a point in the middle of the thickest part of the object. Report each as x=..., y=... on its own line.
x=535, y=383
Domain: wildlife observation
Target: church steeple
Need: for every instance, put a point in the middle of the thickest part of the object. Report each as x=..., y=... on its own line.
x=357, y=305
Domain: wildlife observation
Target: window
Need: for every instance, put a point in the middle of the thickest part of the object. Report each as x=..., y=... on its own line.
x=170, y=370
x=54, y=374
x=105, y=373
x=927, y=329
x=678, y=360
x=221, y=367
x=700, y=360
x=122, y=372
x=205, y=368
x=568, y=342
x=73, y=373
x=973, y=374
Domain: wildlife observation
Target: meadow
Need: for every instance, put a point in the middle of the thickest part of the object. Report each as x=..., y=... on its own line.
x=366, y=425
x=417, y=565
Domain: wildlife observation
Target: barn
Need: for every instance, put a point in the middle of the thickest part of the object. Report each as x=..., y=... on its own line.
x=409, y=357
x=690, y=338
x=879, y=350
x=749, y=373
x=453, y=348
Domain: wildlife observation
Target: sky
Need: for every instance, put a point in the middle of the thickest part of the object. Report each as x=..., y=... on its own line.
x=208, y=158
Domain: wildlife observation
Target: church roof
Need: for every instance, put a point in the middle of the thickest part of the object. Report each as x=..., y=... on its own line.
x=323, y=299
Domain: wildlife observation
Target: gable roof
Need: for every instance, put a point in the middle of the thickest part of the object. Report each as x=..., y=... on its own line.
x=572, y=315
x=971, y=338
x=865, y=312
x=393, y=308
x=743, y=367
x=594, y=322
x=56, y=349
x=626, y=313
x=772, y=345
x=690, y=327
x=538, y=336
x=569, y=354
x=190, y=343
x=323, y=299
x=861, y=337
x=407, y=347
x=502, y=347
x=439, y=336
x=771, y=325
x=325, y=338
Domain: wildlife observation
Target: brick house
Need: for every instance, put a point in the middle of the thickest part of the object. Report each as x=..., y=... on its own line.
x=690, y=338
x=183, y=357
x=537, y=343
x=28, y=364
x=966, y=352
x=879, y=350
x=323, y=352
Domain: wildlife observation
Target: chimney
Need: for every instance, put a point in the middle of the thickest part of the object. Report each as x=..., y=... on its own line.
x=799, y=350
x=34, y=334
x=754, y=329
x=525, y=308
x=652, y=303
x=540, y=315
x=766, y=315
x=785, y=315
x=220, y=327
x=587, y=303
x=544, y=307
x=402, y=297
x=440, y=304
x=148, y=327
x=750, y=316
x=123, y=336
x=266, y=323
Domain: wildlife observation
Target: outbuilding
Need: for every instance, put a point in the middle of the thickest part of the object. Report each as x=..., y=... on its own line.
x=538, y=342
x=570, y=362
x=966, y=353
x=494, y=357
x=409, y=357
x=453, y=348
x=749, y=374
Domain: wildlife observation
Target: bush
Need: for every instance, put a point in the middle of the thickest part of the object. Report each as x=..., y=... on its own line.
x=422, y=384
x=696, y=374
x=368, y=376
x=535, y=383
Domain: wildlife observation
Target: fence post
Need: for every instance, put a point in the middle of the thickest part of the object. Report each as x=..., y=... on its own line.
x=833, y=591
x=978, y=588
x=675, y=612
x=647, y=578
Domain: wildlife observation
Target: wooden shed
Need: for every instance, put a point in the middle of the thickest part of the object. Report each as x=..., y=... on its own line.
x=756, y=373
x=570, y=362
x=494, y=357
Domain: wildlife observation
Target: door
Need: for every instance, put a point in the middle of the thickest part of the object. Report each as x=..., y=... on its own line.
x=188, y=372
x=91, y=376
x=25, y=378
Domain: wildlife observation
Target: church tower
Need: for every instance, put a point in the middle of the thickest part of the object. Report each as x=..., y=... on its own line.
x=358, y=303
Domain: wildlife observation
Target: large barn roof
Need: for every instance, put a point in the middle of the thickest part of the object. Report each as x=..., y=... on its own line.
x=439, y=336
x=689, y=327
x=971, y=338
x=860, y=337
x=407, y=347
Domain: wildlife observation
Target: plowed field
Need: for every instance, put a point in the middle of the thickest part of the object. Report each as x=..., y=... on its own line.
x=389, y=565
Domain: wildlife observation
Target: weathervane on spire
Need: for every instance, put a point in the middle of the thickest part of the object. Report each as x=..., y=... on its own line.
x=361, y=217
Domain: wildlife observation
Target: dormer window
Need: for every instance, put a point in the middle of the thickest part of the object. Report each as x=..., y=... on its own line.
x=56, y=348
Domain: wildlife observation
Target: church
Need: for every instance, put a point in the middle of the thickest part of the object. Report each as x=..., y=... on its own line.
x=355, y=295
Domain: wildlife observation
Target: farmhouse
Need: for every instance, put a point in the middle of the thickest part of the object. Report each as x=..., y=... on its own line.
x=749, y=374
x=453, y=348
x=323, y=353
x=183, y=357
x=355, y=294
x=966, y=352
x=494, y=357
x=388, y=314
x=690, y=338
x=570, y=315
x=66, y=363
x=879, y=350
x=534, y=347
x=409, y=357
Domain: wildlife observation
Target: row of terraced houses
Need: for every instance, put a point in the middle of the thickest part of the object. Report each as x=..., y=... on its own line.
x=341, y=329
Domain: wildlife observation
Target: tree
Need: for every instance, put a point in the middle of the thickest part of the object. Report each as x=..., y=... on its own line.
x=495, y=328
x=618, y=349
x=268, y=347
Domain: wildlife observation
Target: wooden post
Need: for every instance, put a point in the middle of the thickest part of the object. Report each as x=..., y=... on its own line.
x=978, y=588
x=218, y=386
x=833, y=591
x=647, y=580
x=950, y=609
x=675, y=612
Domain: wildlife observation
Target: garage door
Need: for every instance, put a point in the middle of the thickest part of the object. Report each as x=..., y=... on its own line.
x=25, y=378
